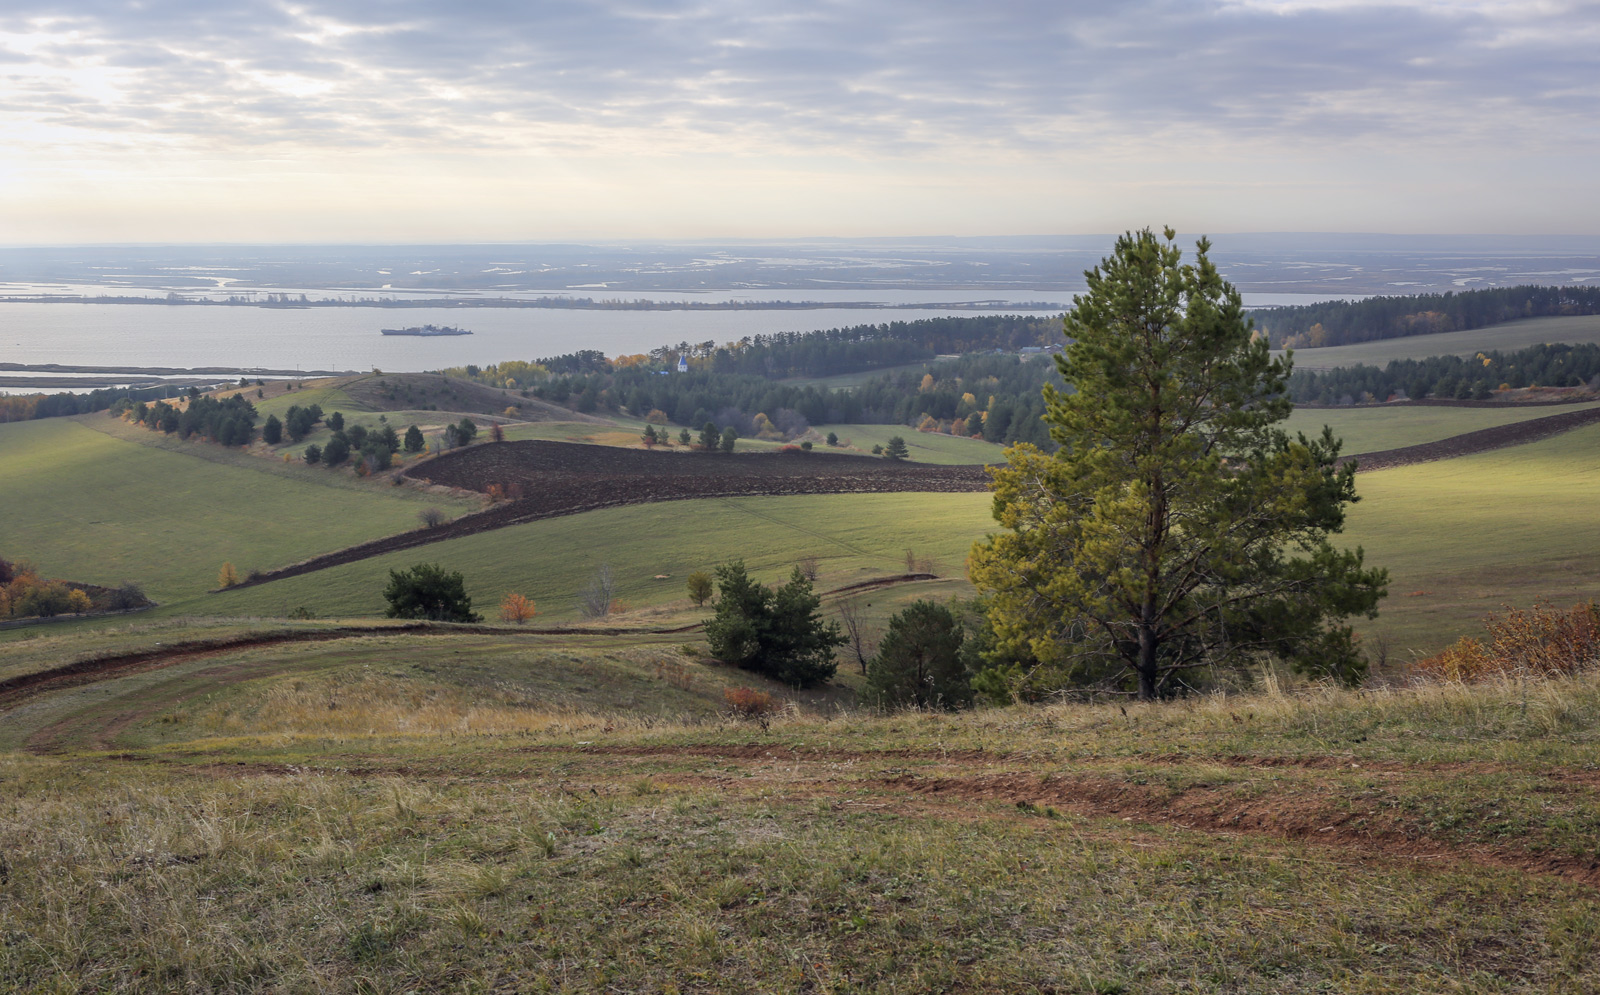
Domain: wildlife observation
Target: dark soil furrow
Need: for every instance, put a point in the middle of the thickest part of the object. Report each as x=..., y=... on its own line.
x=1481, y=441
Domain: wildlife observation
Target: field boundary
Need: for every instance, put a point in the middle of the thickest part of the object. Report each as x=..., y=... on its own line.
x=1481, y=441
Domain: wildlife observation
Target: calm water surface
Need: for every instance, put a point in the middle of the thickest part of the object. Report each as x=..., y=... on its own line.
x=346, y=338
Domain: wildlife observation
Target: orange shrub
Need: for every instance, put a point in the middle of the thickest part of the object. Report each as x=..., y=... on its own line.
x=1540, y=640
x=516, y=608
x=749, y=703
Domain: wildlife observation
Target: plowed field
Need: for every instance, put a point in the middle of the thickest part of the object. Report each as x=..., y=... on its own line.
x=564, y=478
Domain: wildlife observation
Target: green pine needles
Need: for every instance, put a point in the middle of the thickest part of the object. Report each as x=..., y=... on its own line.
x=1178, y=526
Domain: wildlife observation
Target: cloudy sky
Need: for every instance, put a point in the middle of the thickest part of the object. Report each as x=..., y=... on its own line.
x=499, y=120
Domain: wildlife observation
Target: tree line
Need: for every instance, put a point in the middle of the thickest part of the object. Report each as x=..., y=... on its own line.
x=1329, y=323
x=1456, y=377
x=783, y=355
x=27, y=407
x=995, y=397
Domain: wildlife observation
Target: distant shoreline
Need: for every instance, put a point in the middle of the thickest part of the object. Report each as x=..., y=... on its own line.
x=557, y=303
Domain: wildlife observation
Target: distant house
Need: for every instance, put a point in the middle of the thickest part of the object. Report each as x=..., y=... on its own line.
x=683, y=363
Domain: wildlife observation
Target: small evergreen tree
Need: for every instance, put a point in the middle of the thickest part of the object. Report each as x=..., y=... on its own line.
x=709, y=436
x=313, y=454
x=779, y=633
x=919, y=662
x=337, y=450
x=414, y=442
x=896, y=449
x=730, y=435
x=833, y=438
x=336, y=422
x=426, y=591
x=272, y=431
x=683, y=438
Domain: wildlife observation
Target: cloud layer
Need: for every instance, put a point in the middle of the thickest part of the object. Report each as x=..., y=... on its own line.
x=834, y=86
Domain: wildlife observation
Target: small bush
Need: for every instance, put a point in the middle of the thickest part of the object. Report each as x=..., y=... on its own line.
x=1541, y=640
x=750, y=703
x=516, y=608
x=227, y=576
x=432, y=518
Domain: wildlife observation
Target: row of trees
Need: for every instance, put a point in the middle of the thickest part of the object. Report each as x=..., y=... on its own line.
x=25, y=594
x=794, y=354
x=1329, y=323
x=995, y=397
x=1458, y=377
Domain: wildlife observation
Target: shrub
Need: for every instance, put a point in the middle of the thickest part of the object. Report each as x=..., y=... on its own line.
x=833, y=438
x=313, y=454
x=496, y=433
x=699, y=584
x=227, y=576
x=124, y=598
x=749, y=703
x=516, y=608
x=426, y=591
x=432, y=517
x=596, y=599
x=1540, y=640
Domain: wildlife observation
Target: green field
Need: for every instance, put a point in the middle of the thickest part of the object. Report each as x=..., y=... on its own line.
x=1367, y=430
x=1466, y=536
x=1507, y=337
x=854, y=537
x=90, y=506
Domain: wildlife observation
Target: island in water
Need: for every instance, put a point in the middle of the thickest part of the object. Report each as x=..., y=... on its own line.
x=427, y=330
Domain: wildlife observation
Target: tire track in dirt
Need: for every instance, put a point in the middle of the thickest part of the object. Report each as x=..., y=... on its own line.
x=1320, y=816
x=1319, y=820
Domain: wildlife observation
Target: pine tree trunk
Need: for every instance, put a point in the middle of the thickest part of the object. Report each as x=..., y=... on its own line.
x=1147, y=663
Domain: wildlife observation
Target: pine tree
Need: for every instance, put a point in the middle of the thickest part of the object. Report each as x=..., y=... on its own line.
x=1178, y=526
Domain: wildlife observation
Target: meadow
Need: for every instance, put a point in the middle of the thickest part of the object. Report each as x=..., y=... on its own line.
x=101, y=508
x=1508, y=337
x=484, y=812
x=1367, y=430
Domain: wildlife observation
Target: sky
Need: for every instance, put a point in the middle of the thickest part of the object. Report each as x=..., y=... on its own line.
x=175, y=121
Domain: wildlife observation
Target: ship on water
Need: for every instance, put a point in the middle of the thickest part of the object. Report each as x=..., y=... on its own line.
x=427, y=331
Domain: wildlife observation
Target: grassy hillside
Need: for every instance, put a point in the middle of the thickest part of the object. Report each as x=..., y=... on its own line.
x=1465, y=536
x=1510, y=526
x=1366, y=430
x=483, y=812
x=853, y=536
x=1510, y=336
x=93, y=507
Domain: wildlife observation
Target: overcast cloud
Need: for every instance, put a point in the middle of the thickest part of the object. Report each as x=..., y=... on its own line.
x=927, y=94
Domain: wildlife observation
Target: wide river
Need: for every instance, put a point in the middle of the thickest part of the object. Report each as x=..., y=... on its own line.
x=347, y=338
